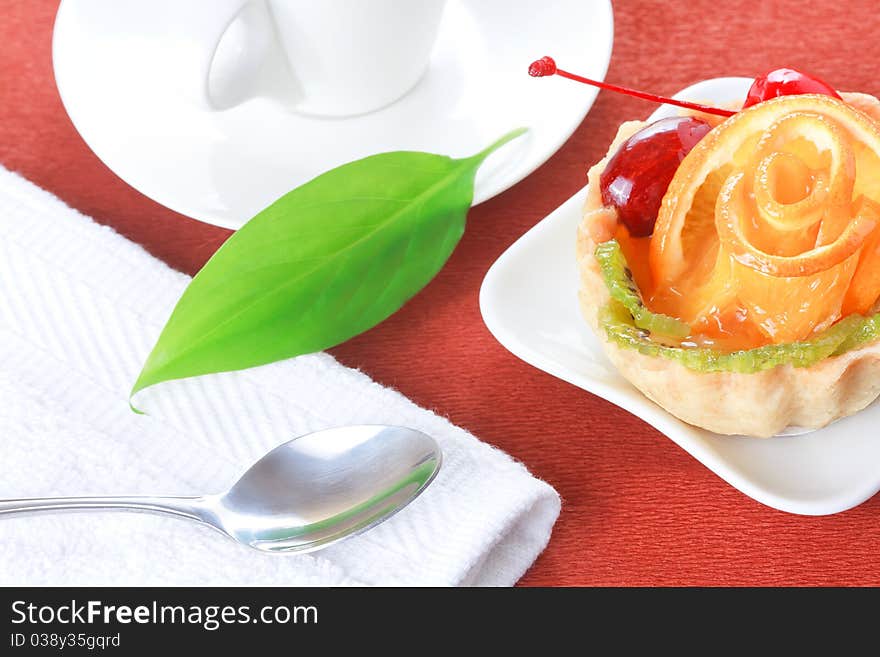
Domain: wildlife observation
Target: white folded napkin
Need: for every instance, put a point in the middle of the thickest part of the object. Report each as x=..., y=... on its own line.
x=80, y=308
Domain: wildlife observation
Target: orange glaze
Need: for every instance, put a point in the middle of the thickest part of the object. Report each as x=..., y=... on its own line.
x=728, y=329
x=780, y=238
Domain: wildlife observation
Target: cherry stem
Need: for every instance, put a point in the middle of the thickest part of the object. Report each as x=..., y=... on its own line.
x=546, y=66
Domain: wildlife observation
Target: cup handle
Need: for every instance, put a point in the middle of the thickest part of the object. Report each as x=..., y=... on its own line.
x=228, y=45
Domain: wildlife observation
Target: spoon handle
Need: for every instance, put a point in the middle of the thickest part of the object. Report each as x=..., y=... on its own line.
x=187, y=507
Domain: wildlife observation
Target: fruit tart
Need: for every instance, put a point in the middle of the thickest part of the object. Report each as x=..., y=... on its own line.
x=731, y=265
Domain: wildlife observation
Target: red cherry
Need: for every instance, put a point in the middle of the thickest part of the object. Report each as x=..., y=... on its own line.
x=786, y=82
x=637, y=176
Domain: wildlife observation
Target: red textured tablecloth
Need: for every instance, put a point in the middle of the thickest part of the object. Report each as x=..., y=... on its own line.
x=637, y=510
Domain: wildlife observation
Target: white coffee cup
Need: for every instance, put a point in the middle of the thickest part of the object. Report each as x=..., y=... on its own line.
x=321, y=57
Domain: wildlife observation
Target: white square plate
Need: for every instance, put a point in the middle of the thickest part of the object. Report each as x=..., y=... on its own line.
x=529, y=303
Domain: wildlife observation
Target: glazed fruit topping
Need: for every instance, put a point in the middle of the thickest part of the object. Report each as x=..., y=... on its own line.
x=843, y=336
x=773, y=223
x=618, y=279
x=636, y=177
x=786, y=82
x=630, y=324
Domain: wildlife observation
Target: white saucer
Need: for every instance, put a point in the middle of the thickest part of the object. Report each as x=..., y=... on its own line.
x=538, y=319
x=223, y=167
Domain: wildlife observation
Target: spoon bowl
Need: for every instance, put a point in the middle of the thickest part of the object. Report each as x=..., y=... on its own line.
x=304, y=495
x=318, y=488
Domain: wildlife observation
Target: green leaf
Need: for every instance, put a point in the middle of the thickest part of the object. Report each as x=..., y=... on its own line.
x=322, y=264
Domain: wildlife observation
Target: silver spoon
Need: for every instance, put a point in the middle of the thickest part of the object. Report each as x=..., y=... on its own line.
x=302, y=496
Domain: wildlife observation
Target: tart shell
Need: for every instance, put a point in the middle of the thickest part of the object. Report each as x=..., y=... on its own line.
x=761, y=404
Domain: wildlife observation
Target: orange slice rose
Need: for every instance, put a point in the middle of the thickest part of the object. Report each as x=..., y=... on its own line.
x=772, y=221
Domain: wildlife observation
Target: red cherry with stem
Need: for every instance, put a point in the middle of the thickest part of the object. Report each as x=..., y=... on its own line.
x=638, y=175
x=786, y=82
x=547, y=66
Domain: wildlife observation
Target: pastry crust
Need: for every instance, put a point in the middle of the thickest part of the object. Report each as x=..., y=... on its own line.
x=761, y=404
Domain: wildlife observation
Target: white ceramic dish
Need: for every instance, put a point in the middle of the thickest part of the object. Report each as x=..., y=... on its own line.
x=223, y=167
x=529, y=303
